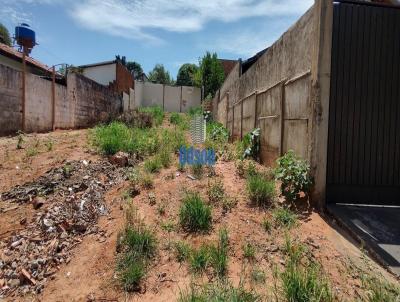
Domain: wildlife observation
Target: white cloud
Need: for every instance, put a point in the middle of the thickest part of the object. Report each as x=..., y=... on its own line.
x=137, y=18
x=243, y=43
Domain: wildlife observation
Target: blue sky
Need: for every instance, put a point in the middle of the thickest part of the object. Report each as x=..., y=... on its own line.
x=151, y=31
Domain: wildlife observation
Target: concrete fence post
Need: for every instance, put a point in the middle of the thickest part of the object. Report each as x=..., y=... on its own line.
x=255, y=109
x=180, y=101
x=163, y=97
x=320, y=92
x=241, y=119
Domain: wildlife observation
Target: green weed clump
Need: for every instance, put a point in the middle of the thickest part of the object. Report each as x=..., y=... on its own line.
x=218, y=291
x=113, y=138
x=137, y=246
x=195, y=110
x=249, y=251
x=156, y=112
x=153, y=165
x=199, y=259
x=182, y=251
x=216, y=192
x=302, y=279
x=32, y=151
x=117, y=136
x=179, y=120
x=260, y=191
x=194, y=214
x=146, y=181
x=380, y=290
x=219, y=254
x=284, y=217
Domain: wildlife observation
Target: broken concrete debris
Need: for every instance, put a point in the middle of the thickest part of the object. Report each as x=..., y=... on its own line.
x=68, y=201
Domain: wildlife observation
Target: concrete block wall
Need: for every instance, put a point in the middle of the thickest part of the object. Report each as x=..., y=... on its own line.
x=82, y=103
x=38, y=106
x=291, y=84
x=10, y=100
x=273, y=94
x=171, y=98
x=92, y=102
x=64, y=109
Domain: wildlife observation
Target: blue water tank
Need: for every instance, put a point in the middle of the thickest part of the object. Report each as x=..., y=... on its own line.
x=25, y=36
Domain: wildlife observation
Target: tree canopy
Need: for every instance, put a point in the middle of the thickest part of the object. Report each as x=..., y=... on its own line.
x=210, y=74
x=135, y=69
x=5, y=37
x=160, y=75
x=186, y=75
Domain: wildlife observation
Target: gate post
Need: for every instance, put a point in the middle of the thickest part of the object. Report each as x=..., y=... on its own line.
x=320, y=93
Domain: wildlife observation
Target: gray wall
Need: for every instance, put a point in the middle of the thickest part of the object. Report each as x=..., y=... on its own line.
x=273, y=94
x=82, y=103
x=171, y=98
x=10, y=100
x=38, y=106
x=92, y=102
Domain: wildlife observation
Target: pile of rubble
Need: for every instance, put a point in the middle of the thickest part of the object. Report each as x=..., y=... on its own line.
x=68, y=201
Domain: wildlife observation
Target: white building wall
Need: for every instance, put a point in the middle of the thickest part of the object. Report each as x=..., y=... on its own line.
x=103, y=74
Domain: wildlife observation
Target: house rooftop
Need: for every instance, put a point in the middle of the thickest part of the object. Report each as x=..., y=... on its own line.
x=98, y=64
x=16, y=55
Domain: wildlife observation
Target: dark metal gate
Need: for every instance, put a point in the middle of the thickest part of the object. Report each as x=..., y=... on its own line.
x=364, y=120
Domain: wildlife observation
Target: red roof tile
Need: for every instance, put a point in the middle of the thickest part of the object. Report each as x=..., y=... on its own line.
x=12, y=52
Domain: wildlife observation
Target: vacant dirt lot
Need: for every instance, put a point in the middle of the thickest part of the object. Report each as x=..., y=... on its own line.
x=87, y=271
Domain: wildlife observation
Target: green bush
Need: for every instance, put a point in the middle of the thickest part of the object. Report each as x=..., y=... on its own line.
x=294, y=175
x=194, y=214
x=284, y=217
x=260, y=190
x=251, y=144
x=217, y=132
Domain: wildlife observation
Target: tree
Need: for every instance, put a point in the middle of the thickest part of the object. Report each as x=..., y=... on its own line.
x=5, y=35
x=210, y=74
x=160, y=75
x=135, y=69
x=186, y=75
